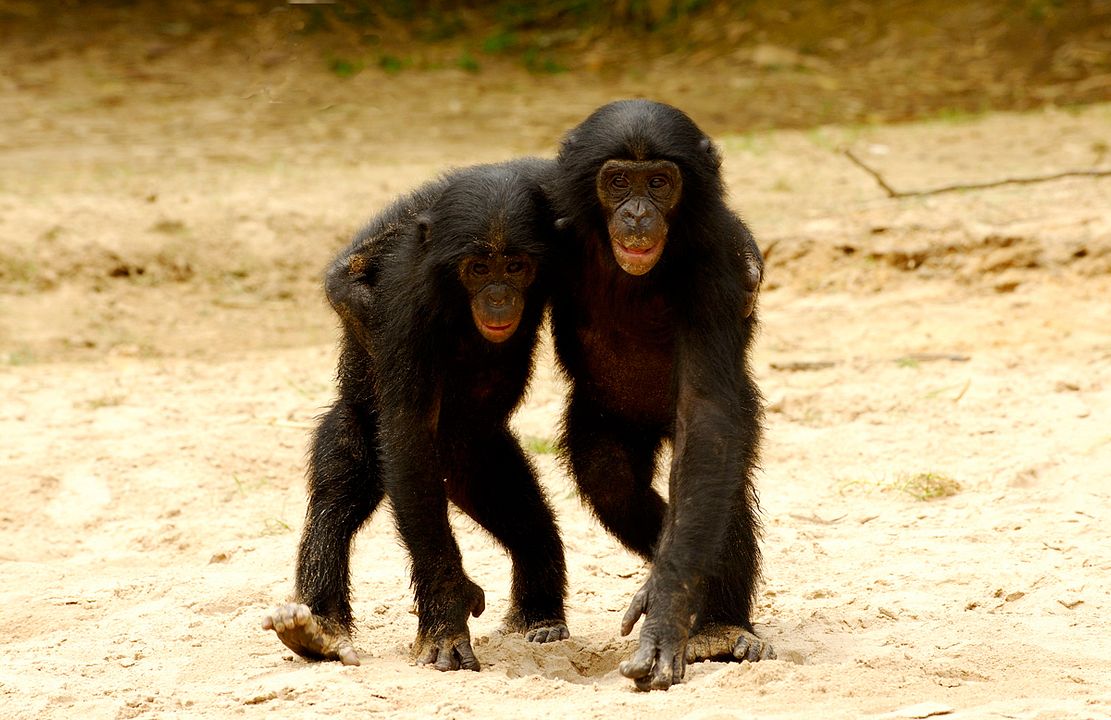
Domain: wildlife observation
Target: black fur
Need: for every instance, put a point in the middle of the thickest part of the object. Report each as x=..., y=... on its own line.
x=662, y=357
x=423, y=407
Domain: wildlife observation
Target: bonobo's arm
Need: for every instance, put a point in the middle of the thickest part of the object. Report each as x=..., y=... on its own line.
x=348, y=284
x=713, y=443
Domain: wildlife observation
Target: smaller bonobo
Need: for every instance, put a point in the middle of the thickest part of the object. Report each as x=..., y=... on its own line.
x=440, y=297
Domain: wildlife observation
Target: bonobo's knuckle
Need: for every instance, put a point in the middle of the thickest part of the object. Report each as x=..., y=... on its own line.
x=467, y=659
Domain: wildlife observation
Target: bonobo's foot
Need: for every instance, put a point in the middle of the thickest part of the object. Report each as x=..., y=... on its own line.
x=547, y=631
x=311, y=636
x=446, y=644
x=660, y=660
x=727, y=642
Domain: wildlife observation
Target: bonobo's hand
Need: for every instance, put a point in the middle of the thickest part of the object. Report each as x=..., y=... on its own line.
x=750, y=280
x=444, y=640
x=660, y=659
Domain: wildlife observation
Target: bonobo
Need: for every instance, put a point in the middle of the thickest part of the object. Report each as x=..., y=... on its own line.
x=652, y=314
x=440, y=299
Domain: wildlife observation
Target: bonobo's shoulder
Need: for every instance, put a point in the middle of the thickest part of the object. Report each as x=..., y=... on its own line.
x=530, y=167
x=524, y=170
x=399, y=215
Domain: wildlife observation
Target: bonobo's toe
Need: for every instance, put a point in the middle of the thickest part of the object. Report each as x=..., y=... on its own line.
x=548, y=632
x=727, y=642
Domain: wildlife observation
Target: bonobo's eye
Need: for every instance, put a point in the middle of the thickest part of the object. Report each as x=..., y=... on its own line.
x=480, y=268
x=619, y=182
x=515, y=267
x=659, y=181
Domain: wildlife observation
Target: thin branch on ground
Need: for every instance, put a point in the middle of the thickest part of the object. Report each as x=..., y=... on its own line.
x=893, y=193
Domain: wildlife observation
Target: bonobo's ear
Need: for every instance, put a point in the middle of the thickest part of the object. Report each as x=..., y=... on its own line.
x=424, y=226
x=707, y=146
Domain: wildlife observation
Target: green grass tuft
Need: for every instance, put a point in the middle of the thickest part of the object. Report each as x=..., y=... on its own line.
x=344, y=68
x=468, y=63
x=925, y=486
x=539, y=445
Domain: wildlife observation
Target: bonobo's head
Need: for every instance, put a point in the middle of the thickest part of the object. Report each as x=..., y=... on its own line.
x=639, y=169
x=496, y=283
x=490, y=229
x=638, y=197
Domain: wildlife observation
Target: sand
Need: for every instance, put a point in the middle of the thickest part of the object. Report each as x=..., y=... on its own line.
x=936, y=473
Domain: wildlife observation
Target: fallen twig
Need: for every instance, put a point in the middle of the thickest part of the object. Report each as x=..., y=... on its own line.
x=813, y=517
x=893, y=193
x=911, y=358
x=802, y=365
x=932, y=357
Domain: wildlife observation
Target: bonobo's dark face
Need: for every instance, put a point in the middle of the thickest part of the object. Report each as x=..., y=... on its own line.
x=639, y=197
x=496, y=284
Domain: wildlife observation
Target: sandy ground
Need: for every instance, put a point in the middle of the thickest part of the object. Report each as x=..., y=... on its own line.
x=166, y=349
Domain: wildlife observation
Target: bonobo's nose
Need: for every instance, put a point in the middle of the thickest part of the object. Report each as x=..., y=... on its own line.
x=635, y=211
x=498, y=297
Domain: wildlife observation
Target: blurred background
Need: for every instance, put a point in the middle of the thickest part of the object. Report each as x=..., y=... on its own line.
x=234, y=145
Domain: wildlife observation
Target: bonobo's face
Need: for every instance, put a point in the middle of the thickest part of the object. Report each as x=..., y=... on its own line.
x=639, y=197
x=496, y=284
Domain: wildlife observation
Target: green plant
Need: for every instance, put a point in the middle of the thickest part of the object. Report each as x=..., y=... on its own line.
x=499, y=42
x=539, y=445
x=542, y=63
x=344, y=68
x=391, y=63
x=925, y=486
x=21, y=356
x=468, y=63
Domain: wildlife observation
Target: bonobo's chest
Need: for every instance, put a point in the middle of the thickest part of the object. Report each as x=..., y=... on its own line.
x=486, y=383
x=627, y=349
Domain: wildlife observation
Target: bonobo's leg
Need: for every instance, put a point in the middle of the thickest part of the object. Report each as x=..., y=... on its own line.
x=493, y=482
x=345, y=486
x=445, y=596
x=613, y=462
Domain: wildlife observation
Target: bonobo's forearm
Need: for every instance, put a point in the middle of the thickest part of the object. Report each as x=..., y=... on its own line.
x=706, y=472
x=419, y=499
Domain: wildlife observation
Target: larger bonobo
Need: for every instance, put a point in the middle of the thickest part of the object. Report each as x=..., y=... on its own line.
x=440, y=297
x=652, y=316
